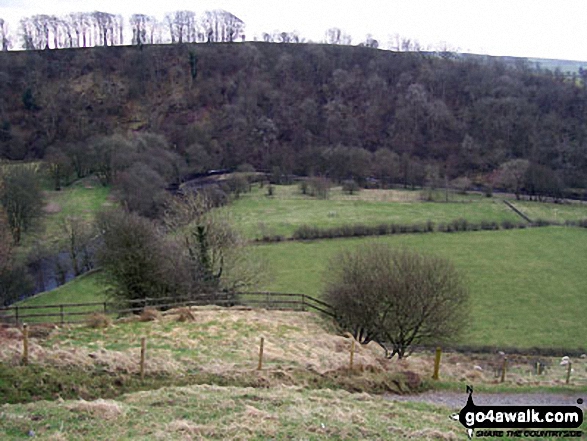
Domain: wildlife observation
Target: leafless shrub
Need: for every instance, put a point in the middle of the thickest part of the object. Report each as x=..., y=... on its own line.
x=396, y=298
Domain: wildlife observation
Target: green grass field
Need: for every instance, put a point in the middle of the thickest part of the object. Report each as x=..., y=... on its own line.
x=527, y=286
x=552, y=212
x=83, y=199
x=257, y=214
x=84, y=289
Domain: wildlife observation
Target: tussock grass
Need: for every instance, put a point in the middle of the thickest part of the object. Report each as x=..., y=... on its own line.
x=221, y=346
x=236, y=413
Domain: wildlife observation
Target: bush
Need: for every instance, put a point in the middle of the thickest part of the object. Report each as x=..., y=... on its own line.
x=319, y=188
x=350, y=186
x=22, y=198
x=136, y=259
x=396, y=298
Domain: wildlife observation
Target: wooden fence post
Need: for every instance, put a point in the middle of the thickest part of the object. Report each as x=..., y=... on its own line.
x=16, y=314
x=260, y=365
x=503, y=368
x=62, y=316
x=569, y=372
x=143, y=350
x=352, y=354
x=437, y=363
x=25, y=344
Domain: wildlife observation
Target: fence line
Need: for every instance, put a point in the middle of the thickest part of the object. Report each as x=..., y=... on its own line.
x=270, y=300
x=18, y=314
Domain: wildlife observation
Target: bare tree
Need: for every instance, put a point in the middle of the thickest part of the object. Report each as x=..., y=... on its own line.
x=22, y=198
x=105, y=25
x=216, y=257
x=370, y=42
x=5, y=41
x=396, y=298
x=78, y=239
x=144, y=29
x=337, y=36
x=512, y=174
x=27, y=31
x=222, y=26
x=182, y=26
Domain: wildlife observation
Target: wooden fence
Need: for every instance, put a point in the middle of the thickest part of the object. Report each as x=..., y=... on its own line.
x=79, y=312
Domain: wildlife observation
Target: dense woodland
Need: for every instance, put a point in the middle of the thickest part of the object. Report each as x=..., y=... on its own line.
x=340, y=111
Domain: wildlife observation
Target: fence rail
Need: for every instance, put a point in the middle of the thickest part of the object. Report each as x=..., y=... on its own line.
x=67, y=313
x=79, y=312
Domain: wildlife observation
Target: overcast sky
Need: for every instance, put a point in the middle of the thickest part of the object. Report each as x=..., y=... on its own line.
x=527, y=28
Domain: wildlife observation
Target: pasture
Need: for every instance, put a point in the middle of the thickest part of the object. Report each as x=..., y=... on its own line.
x=527, y=286
x=258, y=215
x=82, y=199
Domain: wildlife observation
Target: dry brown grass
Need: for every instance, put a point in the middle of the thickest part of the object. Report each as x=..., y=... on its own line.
x=225, y=342
x=98, y=321
x=103, y=409
x=377, y=195
x=150, y=315
x=185, y=315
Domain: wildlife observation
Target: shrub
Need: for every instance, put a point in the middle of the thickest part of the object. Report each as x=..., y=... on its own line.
x=350, y=186
x=396, y=298
x=319, y=188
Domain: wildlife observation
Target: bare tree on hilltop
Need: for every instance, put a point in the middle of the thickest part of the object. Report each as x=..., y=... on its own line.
x=5, y=41
x=337, y=36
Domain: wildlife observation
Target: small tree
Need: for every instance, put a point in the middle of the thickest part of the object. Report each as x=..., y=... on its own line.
x=350, y=187
x=22, y=198
x=511, y=175
x=59, y=167
x=319, y=188
x=15, y=281
x=136, y=259
x=216, y=258
x=396, y=298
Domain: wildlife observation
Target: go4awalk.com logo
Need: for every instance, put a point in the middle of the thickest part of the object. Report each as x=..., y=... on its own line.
x=520, y=421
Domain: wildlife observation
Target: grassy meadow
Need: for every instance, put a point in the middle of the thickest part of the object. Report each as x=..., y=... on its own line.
x=201, y=380
x=257, y=214
x=220, y=413
x=87, y=288
x=83, y=199
x=552, y=212
x=527, y=286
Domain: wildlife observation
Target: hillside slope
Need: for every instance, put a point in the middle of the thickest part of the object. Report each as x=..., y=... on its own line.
x=285, y=105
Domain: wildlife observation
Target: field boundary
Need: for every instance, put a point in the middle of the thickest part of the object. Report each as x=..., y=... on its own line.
x=73, y=313
x=518, y=212
x=17, y=315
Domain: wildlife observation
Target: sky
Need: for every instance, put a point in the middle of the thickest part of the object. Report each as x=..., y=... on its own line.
x=525, y=28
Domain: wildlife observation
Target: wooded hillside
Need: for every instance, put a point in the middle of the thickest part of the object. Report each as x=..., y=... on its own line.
x=305, y=108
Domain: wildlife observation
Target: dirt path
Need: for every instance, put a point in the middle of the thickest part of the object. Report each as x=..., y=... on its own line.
x=456, y=400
